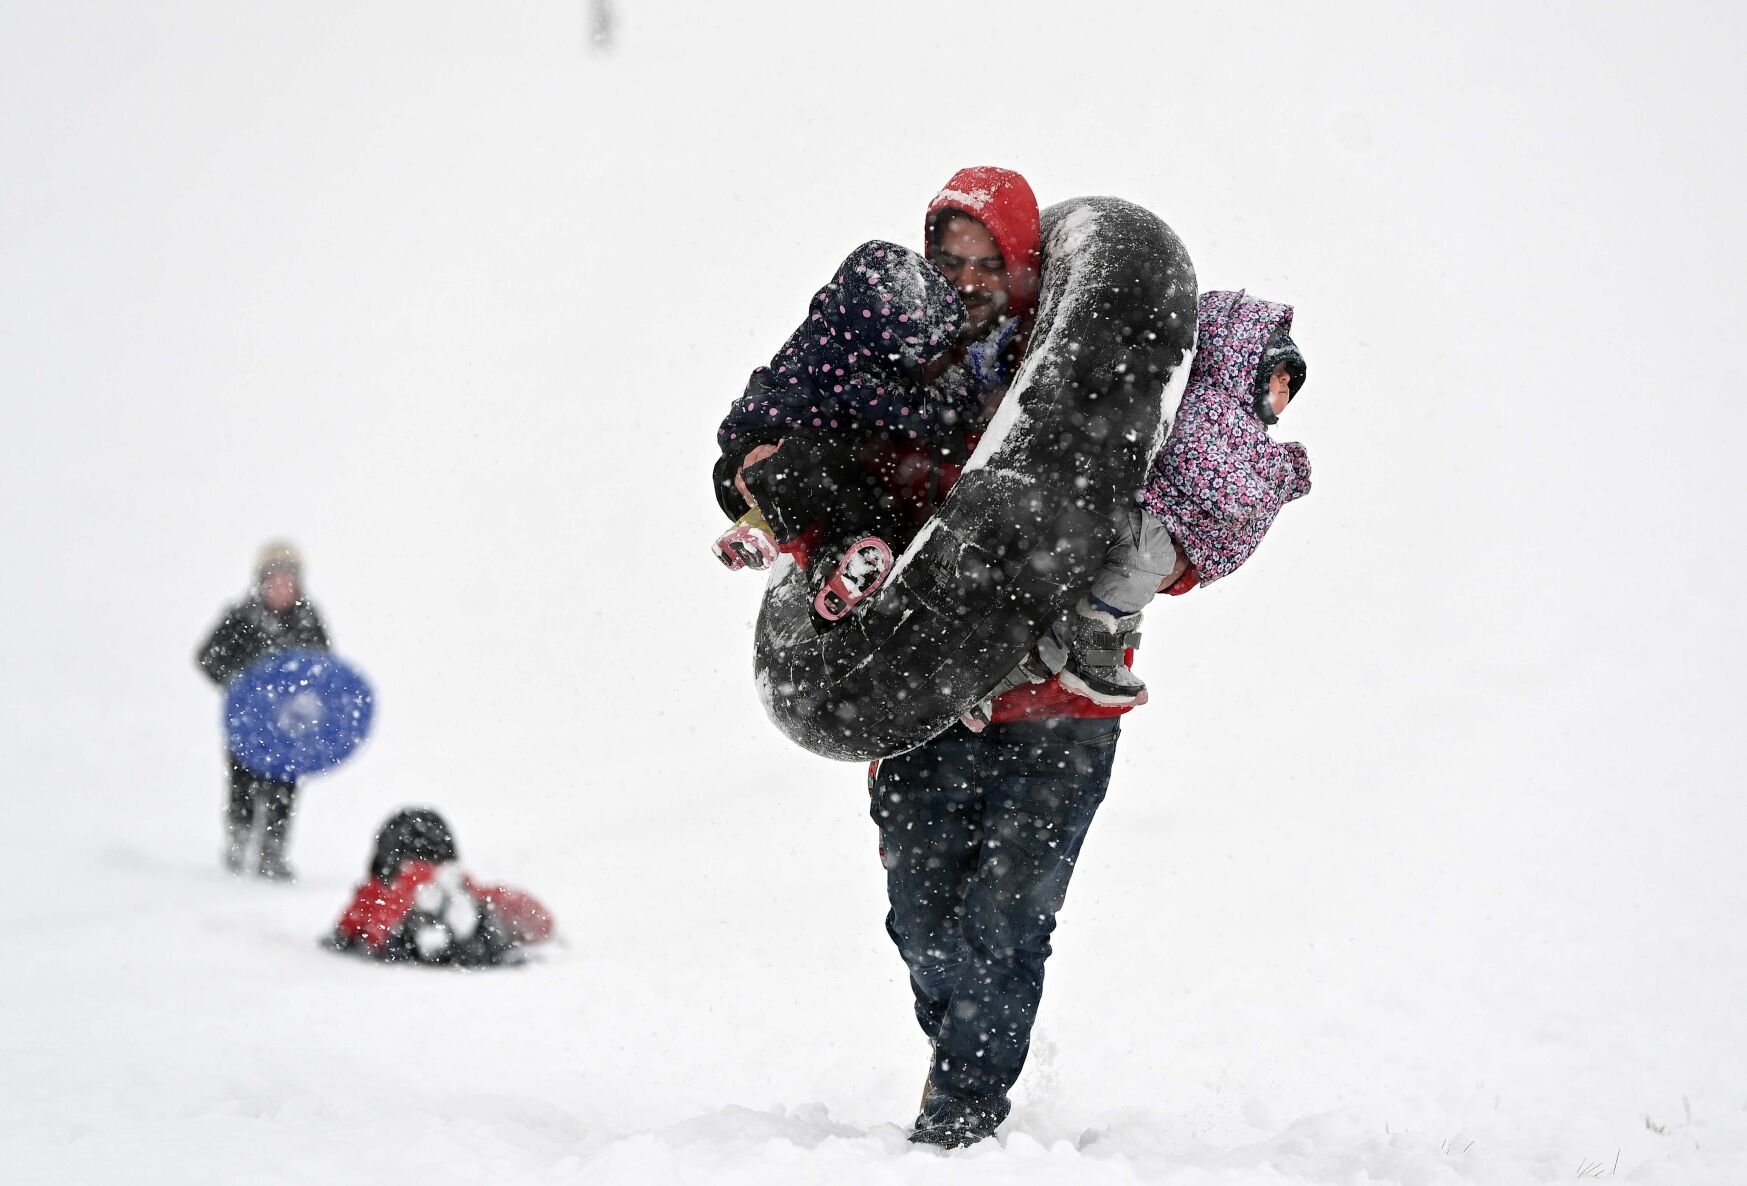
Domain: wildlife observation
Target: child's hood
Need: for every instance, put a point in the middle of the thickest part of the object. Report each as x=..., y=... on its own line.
x=1234, y=329
x=887, y=311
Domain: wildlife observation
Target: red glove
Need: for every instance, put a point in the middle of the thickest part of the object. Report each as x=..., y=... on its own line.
x=1184, y=583
x=521, y=913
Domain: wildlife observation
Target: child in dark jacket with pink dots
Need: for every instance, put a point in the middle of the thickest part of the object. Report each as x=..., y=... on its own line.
x=861, y=383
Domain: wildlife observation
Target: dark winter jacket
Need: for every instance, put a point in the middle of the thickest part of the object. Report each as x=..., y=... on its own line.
x=855, y=367
x=250, y=631
x=921, y=451
x=919, y=478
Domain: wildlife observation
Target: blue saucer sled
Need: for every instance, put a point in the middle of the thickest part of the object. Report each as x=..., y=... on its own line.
x=296, y=713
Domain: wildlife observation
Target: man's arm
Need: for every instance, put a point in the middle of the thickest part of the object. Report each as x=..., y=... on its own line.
x=223, y=654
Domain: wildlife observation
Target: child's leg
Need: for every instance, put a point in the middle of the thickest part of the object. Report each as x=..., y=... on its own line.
x=1086, y=646
x=1105, y=621
x=818, y=482
x=1139, y=560
x=831, y=510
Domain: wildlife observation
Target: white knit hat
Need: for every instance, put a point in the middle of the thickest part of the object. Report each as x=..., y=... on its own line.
x=278, y=556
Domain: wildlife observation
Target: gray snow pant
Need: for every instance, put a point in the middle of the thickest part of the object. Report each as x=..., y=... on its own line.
x=1140, y=557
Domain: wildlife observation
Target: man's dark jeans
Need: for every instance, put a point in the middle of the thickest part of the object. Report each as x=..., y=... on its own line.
x=979, y=834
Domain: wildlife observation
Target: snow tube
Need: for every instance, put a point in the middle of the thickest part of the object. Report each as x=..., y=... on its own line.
x=1026, y=528
x=296, y=712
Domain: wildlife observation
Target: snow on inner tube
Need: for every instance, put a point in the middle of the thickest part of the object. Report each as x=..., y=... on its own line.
x=1026, y=528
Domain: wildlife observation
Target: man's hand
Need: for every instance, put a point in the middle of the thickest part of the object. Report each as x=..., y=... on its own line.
x=1177, y=570
x=1030, y=670
x=1185, y=582
x=1182, y=576
x=752, y=458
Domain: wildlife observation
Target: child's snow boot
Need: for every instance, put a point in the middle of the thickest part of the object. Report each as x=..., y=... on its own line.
x=865, y=565
x=1096, y=667
x=747, y=544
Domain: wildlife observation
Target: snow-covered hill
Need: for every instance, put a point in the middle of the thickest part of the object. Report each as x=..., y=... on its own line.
x=455, y=302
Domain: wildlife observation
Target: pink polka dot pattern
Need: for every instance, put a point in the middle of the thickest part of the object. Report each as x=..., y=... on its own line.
x=855, y=363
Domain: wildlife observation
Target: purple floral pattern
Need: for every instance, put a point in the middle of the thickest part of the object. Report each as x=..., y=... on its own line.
x=1221, y=479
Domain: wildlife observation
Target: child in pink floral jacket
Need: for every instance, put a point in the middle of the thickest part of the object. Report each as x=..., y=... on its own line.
x=1214, y=490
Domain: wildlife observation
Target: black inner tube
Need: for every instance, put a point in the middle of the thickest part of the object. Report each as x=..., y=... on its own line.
x=1027, y=526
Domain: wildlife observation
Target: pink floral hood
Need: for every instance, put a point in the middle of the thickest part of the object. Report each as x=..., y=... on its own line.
x=1221, y=479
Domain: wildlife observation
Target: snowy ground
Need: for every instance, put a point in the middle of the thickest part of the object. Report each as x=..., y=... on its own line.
x=1422, y=867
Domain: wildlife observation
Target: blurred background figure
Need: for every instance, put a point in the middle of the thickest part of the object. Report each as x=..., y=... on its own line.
x=600, y=26
x=417, y=905
x=275, y=616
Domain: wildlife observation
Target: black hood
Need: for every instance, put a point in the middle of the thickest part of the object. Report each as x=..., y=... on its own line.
x=416, y=834
x=1280, y=351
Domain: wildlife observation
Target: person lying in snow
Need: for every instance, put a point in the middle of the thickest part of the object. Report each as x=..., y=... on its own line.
x=1212, y=493
x=418, y=906
x=862, y=381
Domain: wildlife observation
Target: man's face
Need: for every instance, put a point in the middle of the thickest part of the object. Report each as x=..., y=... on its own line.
x=279, y=590
x=967, y=254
